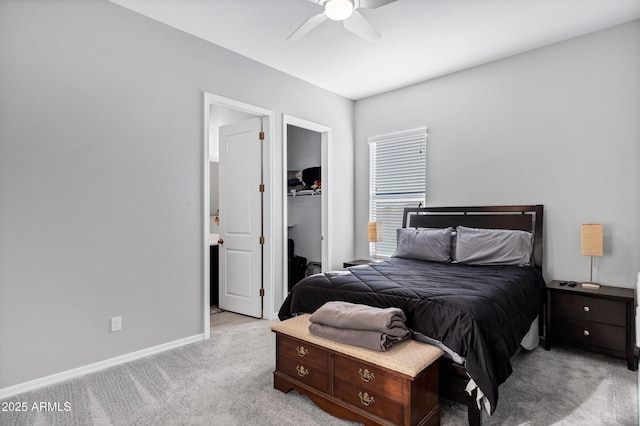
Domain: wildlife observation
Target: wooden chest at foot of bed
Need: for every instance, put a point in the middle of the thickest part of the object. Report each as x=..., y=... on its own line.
x=397, y=387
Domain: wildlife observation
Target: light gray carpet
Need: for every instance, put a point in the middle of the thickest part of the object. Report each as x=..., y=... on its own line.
x=228, y=381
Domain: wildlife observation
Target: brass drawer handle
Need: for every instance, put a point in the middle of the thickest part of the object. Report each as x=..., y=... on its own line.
x=302, y=371
x=586, y=309
x=585, y=332
x=366, y=375
x=302, y=351
x=366, y=399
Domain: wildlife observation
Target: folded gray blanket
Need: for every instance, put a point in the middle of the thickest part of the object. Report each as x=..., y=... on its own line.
x=366, y=339
x=347, y=315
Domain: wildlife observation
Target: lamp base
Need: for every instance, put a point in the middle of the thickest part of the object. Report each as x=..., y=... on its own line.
x=590, y=283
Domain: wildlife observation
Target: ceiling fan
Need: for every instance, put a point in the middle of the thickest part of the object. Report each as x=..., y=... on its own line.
x=345, y=11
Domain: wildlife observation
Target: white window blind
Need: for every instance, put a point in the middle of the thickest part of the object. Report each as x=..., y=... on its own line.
x=398, y=177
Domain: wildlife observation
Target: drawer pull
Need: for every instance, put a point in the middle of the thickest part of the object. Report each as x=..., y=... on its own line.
x=302, y=371
x=585, y=332
x=302, y=351
x=366, y=399
x=366, y=375
x=586, y=309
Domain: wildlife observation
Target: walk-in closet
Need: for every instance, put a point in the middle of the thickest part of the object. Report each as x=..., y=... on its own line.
x=304, y=202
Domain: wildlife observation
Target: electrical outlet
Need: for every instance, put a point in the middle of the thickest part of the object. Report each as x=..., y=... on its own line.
x=116, y=324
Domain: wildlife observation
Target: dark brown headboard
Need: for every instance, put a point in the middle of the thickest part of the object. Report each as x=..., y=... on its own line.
x=524, y=218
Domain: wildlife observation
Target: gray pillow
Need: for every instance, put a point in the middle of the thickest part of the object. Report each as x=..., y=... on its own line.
x=476, y=246
x=423, y=244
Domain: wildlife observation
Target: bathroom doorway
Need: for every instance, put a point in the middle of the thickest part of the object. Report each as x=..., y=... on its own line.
x=218, y=113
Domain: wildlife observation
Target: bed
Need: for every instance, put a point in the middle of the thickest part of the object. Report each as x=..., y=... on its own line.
x=478, y=311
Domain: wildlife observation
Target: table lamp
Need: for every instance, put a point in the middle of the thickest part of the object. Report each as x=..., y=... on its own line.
x=374, y=234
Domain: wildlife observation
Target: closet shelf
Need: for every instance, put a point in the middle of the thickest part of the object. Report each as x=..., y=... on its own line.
x=303, y=193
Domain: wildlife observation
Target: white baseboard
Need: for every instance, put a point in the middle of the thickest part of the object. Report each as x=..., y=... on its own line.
x=91, y=368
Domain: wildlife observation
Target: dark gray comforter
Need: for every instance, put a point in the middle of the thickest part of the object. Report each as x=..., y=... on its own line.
x=480, y=312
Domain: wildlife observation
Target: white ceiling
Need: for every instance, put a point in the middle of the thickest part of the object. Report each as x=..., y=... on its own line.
x=421, y=39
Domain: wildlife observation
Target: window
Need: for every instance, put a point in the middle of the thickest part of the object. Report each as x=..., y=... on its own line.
x=398, y=176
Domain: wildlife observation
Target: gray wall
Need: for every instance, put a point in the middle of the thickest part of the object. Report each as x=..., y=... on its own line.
x=557, y=126
x=101, y=206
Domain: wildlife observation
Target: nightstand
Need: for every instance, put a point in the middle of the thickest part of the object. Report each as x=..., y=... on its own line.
x=599, y=320
x=360, y=262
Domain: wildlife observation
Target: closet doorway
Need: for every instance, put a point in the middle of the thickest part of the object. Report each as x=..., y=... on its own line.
x=306, y=228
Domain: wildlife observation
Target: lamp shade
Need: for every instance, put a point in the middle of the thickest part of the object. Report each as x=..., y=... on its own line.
x=374, y=232
x=592, y=240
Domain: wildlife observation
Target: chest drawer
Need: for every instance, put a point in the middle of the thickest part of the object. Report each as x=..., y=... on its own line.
x=303, y=352
x=369, y=387
x=588, y=308
x=304, y=362
x=374, y=401
x=591, y=333
x=314, y=376
x=368, y=377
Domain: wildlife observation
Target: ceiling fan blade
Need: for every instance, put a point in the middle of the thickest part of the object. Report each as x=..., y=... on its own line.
x=307, y=26
x=358, y=25
x=373, y=4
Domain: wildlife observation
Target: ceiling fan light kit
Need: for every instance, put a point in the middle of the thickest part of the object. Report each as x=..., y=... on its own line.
x=338, y=10
x=345, y=11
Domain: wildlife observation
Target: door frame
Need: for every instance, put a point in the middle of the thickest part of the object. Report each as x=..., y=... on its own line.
x=325, y=146
x=268, y=281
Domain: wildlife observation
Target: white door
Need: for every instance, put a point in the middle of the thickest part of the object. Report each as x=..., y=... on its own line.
x=241, y=217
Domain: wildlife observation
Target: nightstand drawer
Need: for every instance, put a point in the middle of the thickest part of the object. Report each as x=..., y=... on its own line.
x=589, y=308
x=590, y=333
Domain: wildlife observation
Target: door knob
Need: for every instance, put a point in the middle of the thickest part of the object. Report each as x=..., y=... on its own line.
x=220, y=241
